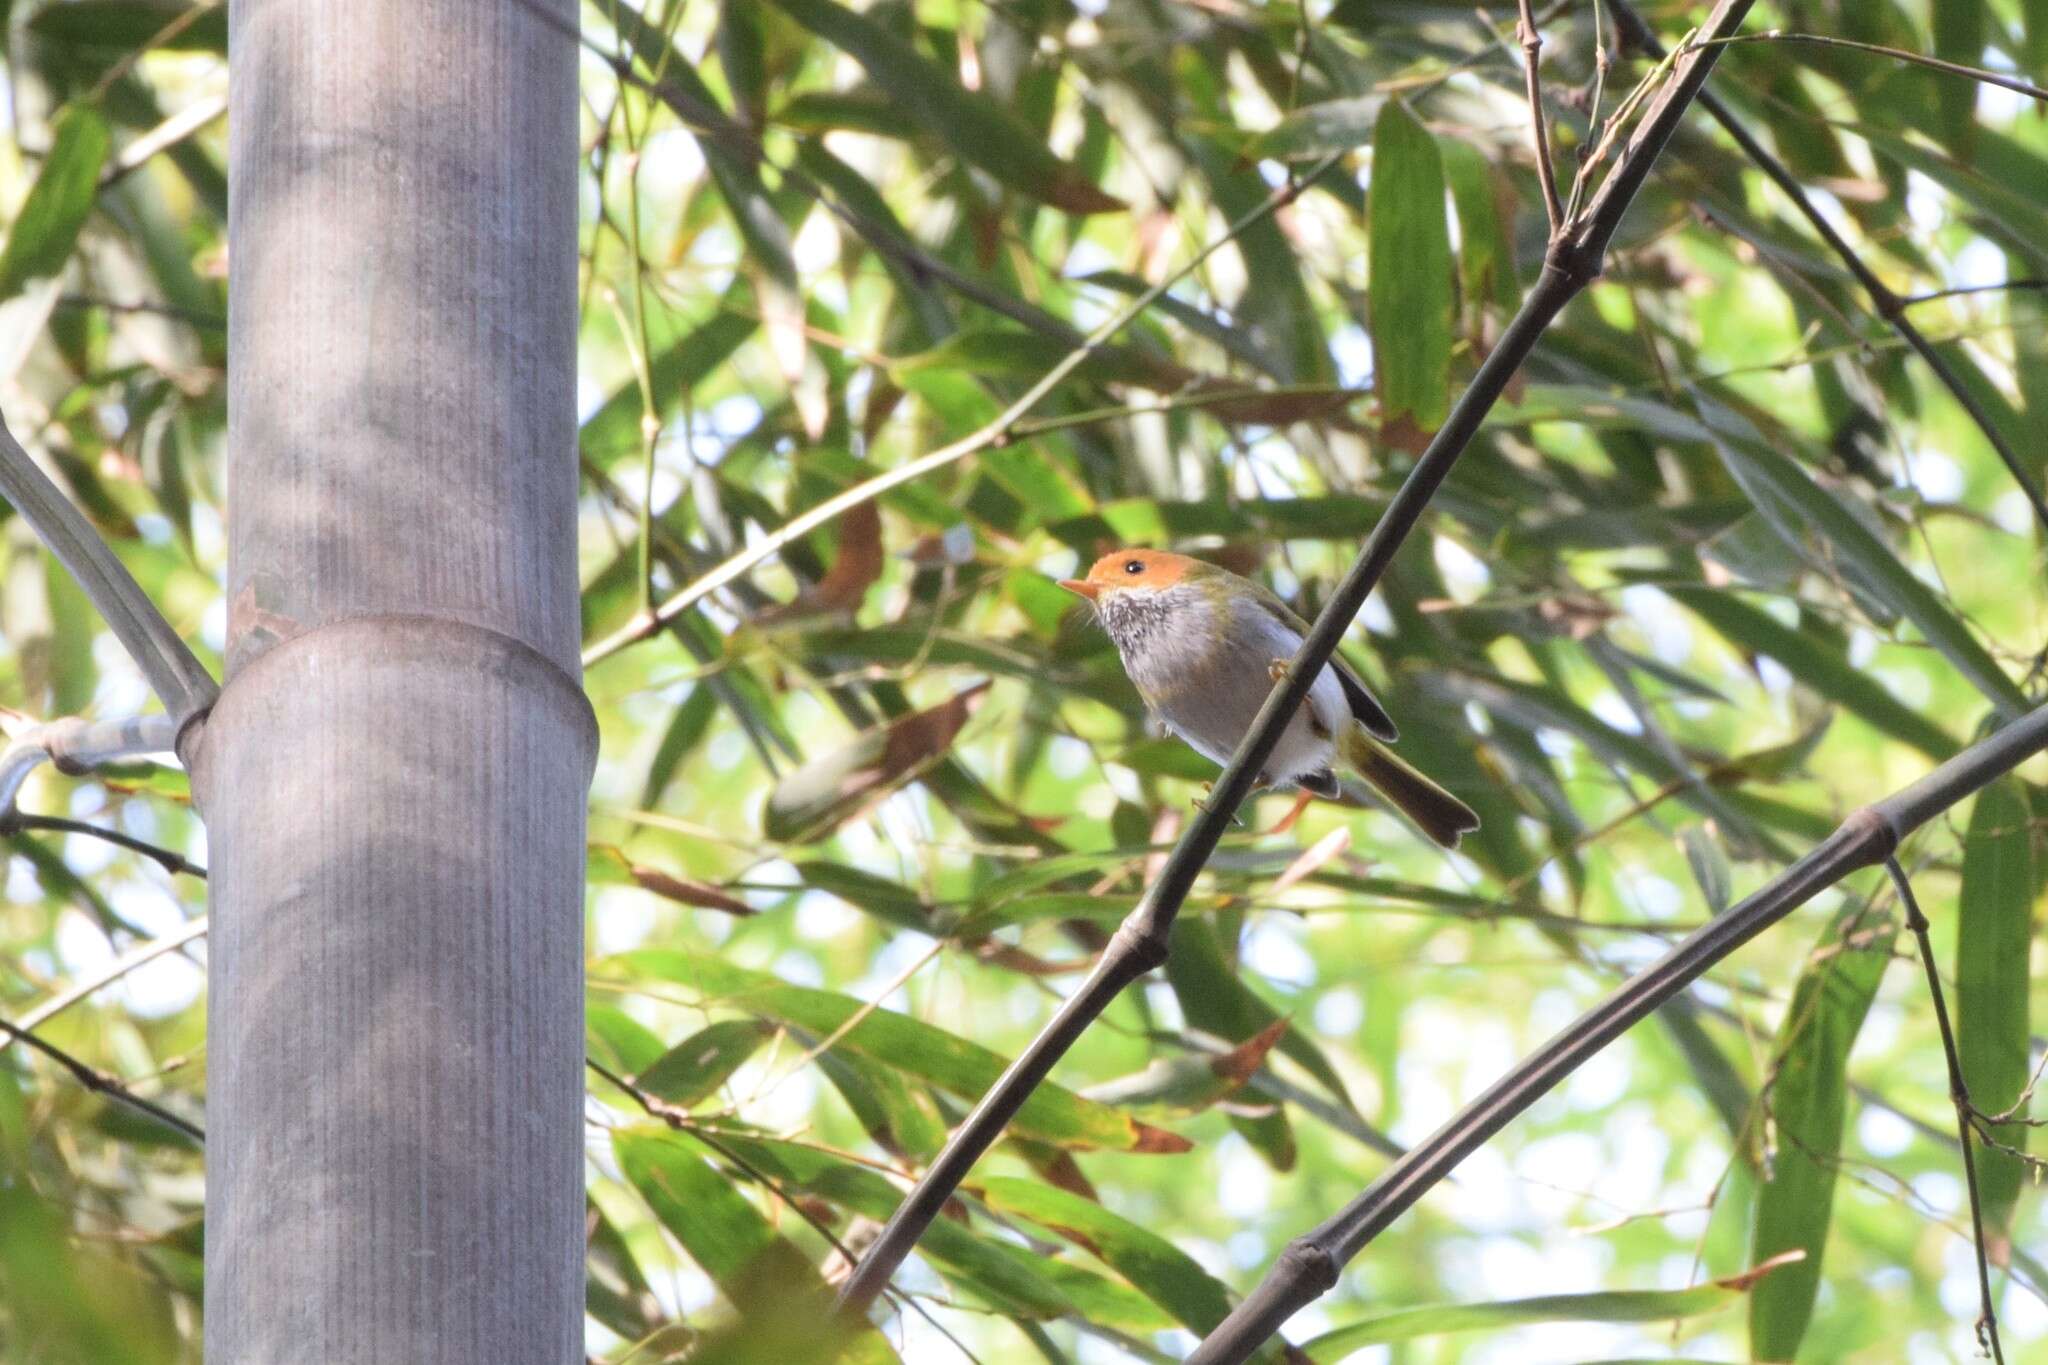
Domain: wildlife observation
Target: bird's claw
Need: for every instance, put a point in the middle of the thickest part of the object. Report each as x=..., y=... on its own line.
x=1277, y=669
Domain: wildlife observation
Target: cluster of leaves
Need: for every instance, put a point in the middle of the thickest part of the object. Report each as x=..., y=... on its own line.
x=1726, y=564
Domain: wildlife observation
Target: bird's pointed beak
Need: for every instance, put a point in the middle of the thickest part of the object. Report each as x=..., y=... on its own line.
x=1081, y=587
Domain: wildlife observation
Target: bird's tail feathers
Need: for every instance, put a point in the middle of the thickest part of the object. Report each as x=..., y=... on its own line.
x=1440, y=815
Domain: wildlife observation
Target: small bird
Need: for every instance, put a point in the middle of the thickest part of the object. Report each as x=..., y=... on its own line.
x=1205, y=647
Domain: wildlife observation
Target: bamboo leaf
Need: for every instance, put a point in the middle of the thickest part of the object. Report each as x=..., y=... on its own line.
x=1816, y=665
x=1807, y=1098
x=128, y=24
x=831, y=789
x=1804, y=513
x=1960, y=28
x=1053, y=1113
x=39, y=242
x=1409, y=272
x=1316, y=129
x=780, y=1294
x=986, y=1267
x=697, y=1066
x=1994, y=936
x=977, y=128
x=1620, y=1305
x=1162, y=1271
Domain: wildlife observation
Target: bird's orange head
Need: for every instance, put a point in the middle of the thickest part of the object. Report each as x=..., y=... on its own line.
x=1153, y=569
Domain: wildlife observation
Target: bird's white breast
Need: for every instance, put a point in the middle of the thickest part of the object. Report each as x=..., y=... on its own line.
x=1202, y=662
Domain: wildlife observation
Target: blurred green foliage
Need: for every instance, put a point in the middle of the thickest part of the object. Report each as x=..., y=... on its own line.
x=1725, y=565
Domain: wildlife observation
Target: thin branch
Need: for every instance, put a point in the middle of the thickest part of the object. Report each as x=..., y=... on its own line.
x=177, y=677
x=1887, y=305
x=177, y=128
x=1140, y=944
x=1975, y=73
x=1310, y=1265
x=998, y=432
x=170, y=860
x=1959, y=291
x=101, y=1083
x=108, y=975
x=1539, y=127
x=1959, y=1094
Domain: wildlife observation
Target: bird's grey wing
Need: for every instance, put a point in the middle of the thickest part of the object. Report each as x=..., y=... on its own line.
x=1364, y=705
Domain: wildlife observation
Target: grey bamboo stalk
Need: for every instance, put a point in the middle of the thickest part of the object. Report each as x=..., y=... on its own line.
x=1887, y=304
x=179, y=680
x=1140, y=944
x=1310, y=1264
x=395, y=774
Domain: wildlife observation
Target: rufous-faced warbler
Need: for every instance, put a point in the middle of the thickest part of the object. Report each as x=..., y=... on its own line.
x=1205, y=647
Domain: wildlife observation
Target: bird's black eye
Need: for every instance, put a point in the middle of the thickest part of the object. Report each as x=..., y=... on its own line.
x=1134, y=566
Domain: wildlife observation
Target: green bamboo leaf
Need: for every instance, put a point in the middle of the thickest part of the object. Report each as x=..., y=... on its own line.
x=2034, y=15
x=40, y=240
x=685, y=730
x=2005, y=204
x=619, y=1040
x=979, y=1264
x=1317, y=129
x=1053, y=1113
x=128, y=24
x=1994, y=934
x=1216, y=1001
x=878, y=896
x=722, y=1231
x=1162, y=1271
x=1808, y=1095
x=1486, y=251
x=1408, y=285
x=835, y=786
x=1275, y=310
x=1960, y=29
x=1802, y=510
x=676, y=370
x=775, y=1287
x=1815, y=664
x=616, y=1293
x=697, y=1066
x=900, y=1116
x=979, y=130
x=1618, y=1305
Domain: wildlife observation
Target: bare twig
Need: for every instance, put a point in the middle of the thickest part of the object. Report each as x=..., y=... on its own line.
x=1975, y=73
x=1959, y=291
x=108, y=975
x=1140, y=944
x=169, y=859
x=93, y=1079
x=1310, y=1264
x=1887, y=304
x=1539, y=127
x=1959, y=1095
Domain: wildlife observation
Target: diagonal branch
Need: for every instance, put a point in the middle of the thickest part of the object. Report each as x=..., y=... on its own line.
x=1887, y=304
x=1140, y=944
x=99, y=1082
x=1310, y=1264
x=1959, y=1094
x=177, y=677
